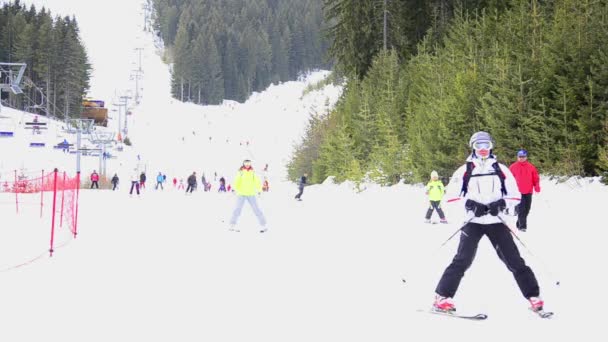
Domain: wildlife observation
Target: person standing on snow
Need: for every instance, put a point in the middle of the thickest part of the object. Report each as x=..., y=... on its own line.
x=94, y=180
x=435, y=191
x=301, y=186
x=527, y=180
x=134, y=182
x=142, y=180
x=114, y=182
x=159, y=181
x=222, y=187
x=204, y=182
x=246, y=185
x=484, y=184
x=191, y=182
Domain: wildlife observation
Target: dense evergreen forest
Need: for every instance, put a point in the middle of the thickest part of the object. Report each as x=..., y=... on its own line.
x=532, y=73
x=56, y=60
x=229, y=49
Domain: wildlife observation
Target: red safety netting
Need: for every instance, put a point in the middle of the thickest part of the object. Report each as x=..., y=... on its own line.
x=58, y=188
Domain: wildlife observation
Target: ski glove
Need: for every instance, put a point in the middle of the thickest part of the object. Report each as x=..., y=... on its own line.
x=497, y=207
x=479, y=209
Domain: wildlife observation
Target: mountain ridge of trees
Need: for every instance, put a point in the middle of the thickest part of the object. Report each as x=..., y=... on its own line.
x=57, y=62
x=229, y=49
x=532, y=73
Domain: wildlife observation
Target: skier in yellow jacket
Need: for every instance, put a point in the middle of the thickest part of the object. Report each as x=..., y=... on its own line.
x=246, y=185
x=435, y=190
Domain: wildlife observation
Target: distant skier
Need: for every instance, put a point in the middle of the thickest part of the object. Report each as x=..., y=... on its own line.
x=159, y=182
x=527, y=180
x=114, y=182
x=301, y=186
x=204, y=182
x=191, y=183
x=246, y=185
x=181, y=184
x=142, y=180
x=485, y=186
x=174, y=182
x=222, y=187
x=265, y=185
x=134, y=182
x=435, y=191
x=94, y=180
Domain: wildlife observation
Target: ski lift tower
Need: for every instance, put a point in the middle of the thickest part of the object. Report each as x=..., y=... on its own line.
x=102, y=139
x=81, y=126
x=10, y=78
x=125, y=101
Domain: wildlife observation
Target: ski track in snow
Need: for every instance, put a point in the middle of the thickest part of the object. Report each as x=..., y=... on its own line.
x=163, y=267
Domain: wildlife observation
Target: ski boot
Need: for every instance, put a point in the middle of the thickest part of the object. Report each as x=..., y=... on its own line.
x=443, y=304
x=536, y=304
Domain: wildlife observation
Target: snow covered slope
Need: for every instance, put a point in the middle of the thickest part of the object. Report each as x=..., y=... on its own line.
x=163, y=267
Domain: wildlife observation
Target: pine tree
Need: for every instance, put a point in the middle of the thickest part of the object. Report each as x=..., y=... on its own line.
x=337, y=158
x=43, y=58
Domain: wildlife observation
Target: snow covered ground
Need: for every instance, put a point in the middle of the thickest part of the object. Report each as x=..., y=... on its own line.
x=163, y=267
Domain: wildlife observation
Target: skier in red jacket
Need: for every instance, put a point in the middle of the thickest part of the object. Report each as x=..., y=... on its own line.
x=527, y=180
x=94, y=180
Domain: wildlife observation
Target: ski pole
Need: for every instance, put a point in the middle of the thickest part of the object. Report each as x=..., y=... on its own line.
x=544, y=264
x=446, y=241
x=456, y=232
x=516, y=236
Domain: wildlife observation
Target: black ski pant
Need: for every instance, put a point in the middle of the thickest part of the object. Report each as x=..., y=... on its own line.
x=300, y=193
x=501, y=239
x=94, y=184
x=114, y=184
x=523, y=209
x=134, y=184
x=161, y=186
x=190, y=188
x=435, y=205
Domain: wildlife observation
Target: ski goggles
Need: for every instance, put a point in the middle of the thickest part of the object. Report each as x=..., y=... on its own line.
x=482, y=145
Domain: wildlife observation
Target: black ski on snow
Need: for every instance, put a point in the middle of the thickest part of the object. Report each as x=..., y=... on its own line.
x=477, y=317
x=543, y=313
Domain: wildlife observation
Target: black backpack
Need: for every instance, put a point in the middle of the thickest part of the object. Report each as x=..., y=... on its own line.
x=468, y=174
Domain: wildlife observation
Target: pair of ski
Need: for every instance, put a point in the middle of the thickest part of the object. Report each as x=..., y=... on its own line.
x=479, y=316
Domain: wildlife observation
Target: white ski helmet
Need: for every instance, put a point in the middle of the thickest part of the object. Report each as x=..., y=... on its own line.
x=481, y=137
x=434, y=174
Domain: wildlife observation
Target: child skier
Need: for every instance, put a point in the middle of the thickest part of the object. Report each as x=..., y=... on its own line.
x=435, y=191
x=222, y=187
